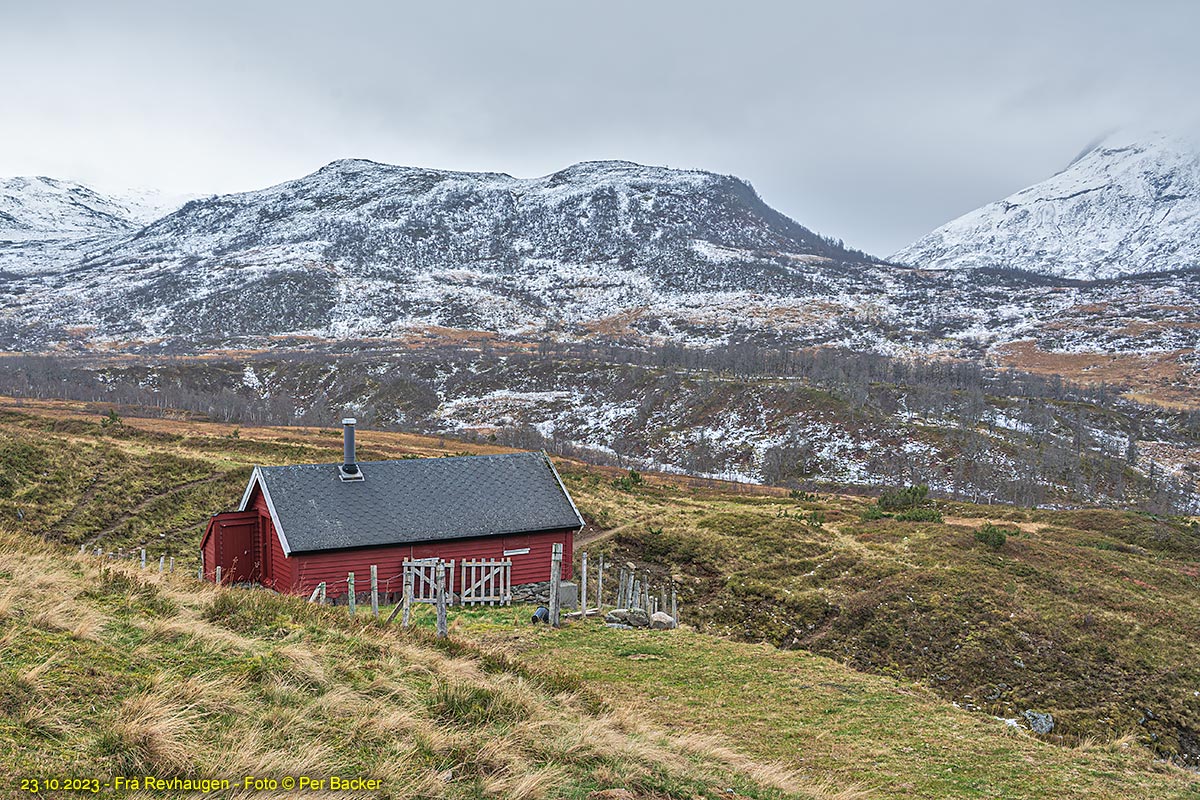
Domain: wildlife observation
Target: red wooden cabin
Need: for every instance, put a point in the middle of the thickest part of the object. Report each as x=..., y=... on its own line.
x=298, y=526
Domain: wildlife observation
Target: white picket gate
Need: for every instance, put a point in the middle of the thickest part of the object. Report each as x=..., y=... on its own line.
x=486, y=581
x=424, y=579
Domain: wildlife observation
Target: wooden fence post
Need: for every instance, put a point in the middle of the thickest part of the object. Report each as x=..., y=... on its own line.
x=316, y=592
x=324, y=589
x=350, y=598
x=583, y=587
x=600, y=584
x=162, y=564
x=406, y=601
x=556, y=554
x=374, y=591
x=441, y=600
x=674, y=608
x=143, y=558
x=172, y=570
x=218, y=574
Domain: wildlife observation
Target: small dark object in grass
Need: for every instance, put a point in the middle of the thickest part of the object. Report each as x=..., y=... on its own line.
x=542, y=614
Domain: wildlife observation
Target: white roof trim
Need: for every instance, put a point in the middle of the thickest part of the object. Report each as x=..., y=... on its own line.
x=561, y=486
x=257, y=477
x=254, y=474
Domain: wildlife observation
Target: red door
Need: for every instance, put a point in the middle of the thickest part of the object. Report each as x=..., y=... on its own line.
x=237, y=537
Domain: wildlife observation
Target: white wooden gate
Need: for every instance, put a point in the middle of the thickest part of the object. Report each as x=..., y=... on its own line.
x=424, y=579
x=486, y=581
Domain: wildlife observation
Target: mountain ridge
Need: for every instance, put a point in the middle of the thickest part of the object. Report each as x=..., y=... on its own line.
x=1124, y=207
x=602, y=250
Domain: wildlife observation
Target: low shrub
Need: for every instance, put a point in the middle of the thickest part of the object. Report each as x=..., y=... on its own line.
x=874, y=512
x=920, y=515
x=899, y=499
x=628, y=483
x=993, y=535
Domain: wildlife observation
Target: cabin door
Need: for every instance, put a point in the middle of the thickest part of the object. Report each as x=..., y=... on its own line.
x=238, y=535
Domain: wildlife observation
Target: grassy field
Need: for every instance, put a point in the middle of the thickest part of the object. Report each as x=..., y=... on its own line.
x=1092, y=616
x=814, y=716
x=107, y=670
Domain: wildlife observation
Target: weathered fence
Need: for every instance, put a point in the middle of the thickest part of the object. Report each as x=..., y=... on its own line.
x=424, y=579
x=485, y=581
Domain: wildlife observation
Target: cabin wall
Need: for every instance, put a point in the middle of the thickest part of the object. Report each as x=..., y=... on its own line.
x=278, y=573
x=209, y=549
x=230, y=542
x=332, y=567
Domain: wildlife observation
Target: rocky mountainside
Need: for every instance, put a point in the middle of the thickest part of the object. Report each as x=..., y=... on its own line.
x=49, y=225
x=600, y=250
x=365, y=249
x=1124, y=207
x=33, y=209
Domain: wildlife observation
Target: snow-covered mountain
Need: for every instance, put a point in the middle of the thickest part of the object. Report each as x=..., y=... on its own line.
x=1124, y=207
x=362, y=249
x=48, y=225
x=600, y=250
x=40, y=208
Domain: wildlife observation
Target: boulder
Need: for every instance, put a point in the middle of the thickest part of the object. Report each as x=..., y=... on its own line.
x=617, y=615
x=1038, y=722
x=638, y=618
x=568, y=595
x=662, y=621
x=621, y=626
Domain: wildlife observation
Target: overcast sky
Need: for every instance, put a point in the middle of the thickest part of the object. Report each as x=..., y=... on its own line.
x=874, y=122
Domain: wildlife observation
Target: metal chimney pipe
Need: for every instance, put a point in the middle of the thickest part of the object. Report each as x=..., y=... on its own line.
x=349, y=466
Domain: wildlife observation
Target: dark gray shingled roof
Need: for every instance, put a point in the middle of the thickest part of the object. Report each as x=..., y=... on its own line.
x=416, y=500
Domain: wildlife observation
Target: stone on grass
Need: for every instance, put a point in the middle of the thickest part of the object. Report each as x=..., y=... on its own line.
x=662, y=621
x=638, y=618
x=1038, y=722
x=617, y=615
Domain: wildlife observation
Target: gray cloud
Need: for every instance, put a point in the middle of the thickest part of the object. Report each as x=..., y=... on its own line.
x=874, y=122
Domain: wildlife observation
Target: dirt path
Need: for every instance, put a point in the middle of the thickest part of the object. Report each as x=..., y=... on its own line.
x=144, y=504
x=978, y=522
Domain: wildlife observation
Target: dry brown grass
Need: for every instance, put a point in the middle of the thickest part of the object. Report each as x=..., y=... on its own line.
x=1159, y=379
x=152, y=734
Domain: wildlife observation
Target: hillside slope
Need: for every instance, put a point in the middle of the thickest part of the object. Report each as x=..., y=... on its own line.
x=119, y=672
x=1090, y=616
x=106, y=669
x=1124, y=207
